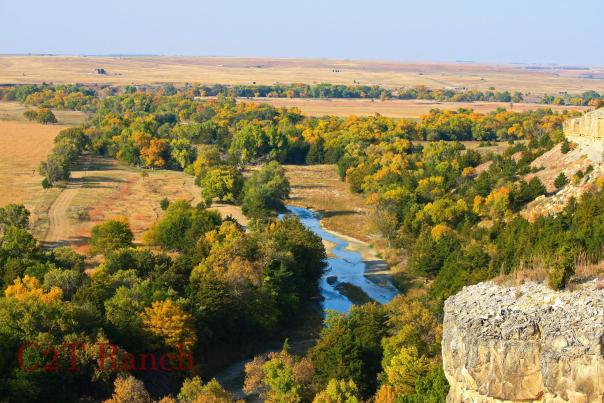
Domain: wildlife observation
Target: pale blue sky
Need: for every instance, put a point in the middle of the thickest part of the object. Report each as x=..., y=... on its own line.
x=543, y=31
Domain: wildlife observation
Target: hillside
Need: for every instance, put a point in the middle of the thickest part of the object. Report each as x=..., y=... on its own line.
x=582, y=165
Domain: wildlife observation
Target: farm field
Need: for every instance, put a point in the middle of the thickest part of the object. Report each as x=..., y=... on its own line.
x=239, y=70
x=394, y=108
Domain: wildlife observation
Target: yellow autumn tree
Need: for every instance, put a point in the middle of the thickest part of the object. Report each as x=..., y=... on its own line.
x=29, y=287
x=405, y=368
x=129, y=390
x=171, y=323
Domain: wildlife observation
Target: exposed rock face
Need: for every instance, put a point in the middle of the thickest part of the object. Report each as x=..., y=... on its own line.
x=590, y=124
x=525, y=343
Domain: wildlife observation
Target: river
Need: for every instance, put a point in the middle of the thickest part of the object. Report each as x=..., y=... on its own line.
x=344, y=266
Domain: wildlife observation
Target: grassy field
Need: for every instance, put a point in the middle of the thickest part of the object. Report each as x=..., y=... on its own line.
x=392, y=108
x=102, y=188
x=13, y=111
x=237, y=70
x=320, y=188
x=22, y=147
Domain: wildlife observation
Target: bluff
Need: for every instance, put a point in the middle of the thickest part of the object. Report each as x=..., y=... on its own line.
x=525, y=344
x=591, y=124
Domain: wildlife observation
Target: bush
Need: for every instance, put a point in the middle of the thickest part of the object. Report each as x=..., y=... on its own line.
x=42, y=115
x=30, y=115
x=164, y=203
x=561, y=269
x=45, y=116
x=565, y=148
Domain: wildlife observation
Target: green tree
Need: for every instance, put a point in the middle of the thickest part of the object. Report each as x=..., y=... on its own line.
x=224, y=182
x=561, y=268
x=560, y=181
x=110, y=236
x=339, y=391
x=265, y=191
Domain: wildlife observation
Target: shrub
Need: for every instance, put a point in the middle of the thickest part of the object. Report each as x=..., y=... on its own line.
x=561, y=269
x=565, y=147
x=30, y=115
x=164, y=203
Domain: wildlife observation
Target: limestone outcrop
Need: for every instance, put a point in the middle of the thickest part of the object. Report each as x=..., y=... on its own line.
x=591, y=124
x=525, y=344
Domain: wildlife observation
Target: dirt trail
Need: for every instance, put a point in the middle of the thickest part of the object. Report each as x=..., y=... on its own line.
x=59, y=229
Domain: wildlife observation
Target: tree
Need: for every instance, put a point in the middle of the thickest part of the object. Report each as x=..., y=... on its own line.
x=156, y=153
x=129, y=390
x=164, y=203
x=182, y=152
x=30, y=115
x=561, y=268
x=560, y=181
x=405, y=368
x=182, y=226
x=169, y=322
x=223, y=182
x=15, y=215
x=336, y=354
x=42, y=115
x=339, y=391
x=565, y=147
x=45, y=116
x=193, y=390
x=249, y=143
x=110, y=236
x=279, y=377
x=265, y=191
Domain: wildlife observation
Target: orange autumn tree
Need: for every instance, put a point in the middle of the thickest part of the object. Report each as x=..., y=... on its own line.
x=168, y=321
x=154, y=155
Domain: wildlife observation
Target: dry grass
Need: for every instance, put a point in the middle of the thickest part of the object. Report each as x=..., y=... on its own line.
x=320, y=188
x=237, y=70
x=345, y=213
x=394, y=108
x=22, y=147
x=109, y=188
x=13, y=111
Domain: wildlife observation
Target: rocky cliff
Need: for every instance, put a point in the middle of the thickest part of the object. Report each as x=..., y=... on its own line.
x=526, y=343
x=591, y=124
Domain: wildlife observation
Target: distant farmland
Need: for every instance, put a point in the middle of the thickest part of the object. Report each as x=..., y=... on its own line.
x=237, y=70
x=392, y=108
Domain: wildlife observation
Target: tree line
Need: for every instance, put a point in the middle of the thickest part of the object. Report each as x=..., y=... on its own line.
x=81, y=97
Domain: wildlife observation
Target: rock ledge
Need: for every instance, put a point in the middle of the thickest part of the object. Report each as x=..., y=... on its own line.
x=526, y=343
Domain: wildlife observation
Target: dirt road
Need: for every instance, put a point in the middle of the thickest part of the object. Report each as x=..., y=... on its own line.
x=59, y=229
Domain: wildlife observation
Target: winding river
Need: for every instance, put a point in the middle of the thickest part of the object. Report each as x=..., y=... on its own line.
x=343, y=267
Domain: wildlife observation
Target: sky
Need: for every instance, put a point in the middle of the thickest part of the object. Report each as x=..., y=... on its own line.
x=569, y=32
